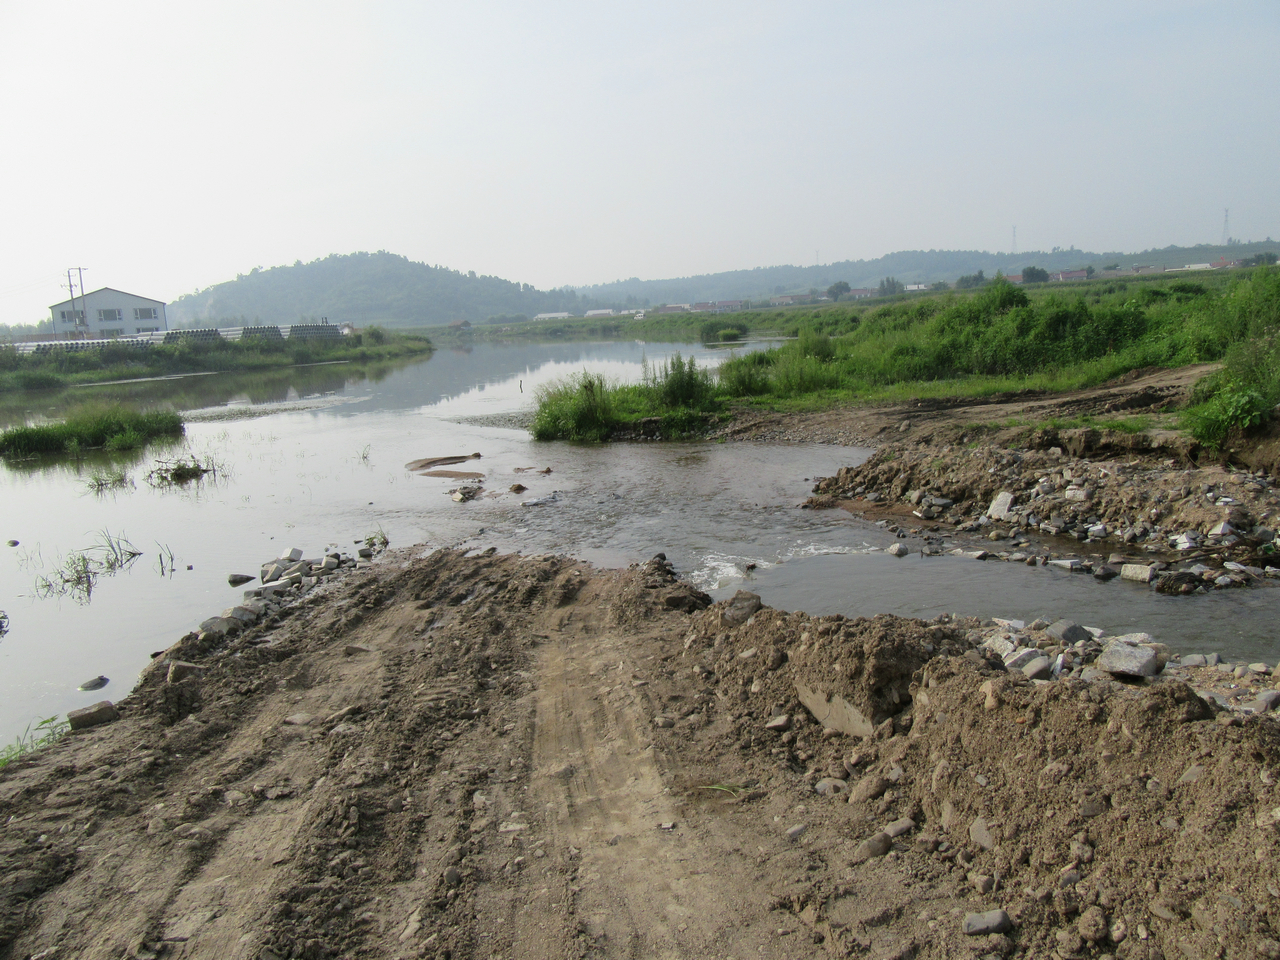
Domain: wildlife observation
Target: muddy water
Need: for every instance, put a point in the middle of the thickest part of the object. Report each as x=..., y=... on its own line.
x=316, y=457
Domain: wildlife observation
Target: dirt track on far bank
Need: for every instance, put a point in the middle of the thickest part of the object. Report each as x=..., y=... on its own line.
x=500, y=757
x=1143, y=391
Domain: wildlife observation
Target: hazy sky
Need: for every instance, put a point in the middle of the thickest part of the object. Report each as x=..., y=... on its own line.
x=168, y=146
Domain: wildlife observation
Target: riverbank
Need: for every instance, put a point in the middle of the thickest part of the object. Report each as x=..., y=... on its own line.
x=123, y=362
x=489, y=755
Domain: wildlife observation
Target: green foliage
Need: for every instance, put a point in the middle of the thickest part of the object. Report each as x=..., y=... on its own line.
x=1035, y=275
x=970, y=281
x=46, y=732
x=810, y=343
x=108, y=426
x=1004, y=334
x=579, y=407
x=1234, y=408
x=838, y=289
x=680, y=383
x=713, y=331
x=890, y=287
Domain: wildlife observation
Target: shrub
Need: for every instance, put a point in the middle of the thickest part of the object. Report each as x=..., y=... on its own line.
x=1233, y=408
x=681, y=383
x=814, y=344
x=578, y=407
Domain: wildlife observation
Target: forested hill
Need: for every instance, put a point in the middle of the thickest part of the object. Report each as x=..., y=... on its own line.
x=907, y=266
x=366, y=288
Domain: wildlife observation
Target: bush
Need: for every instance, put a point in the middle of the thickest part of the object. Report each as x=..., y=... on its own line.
x=1234, y=408
x=579, y=407
x=680, y=383
x=813, y=344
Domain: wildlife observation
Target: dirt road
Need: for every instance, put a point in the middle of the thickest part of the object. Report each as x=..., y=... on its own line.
x=506, y=757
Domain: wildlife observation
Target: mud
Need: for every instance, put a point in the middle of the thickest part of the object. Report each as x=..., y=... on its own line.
x=498, y=756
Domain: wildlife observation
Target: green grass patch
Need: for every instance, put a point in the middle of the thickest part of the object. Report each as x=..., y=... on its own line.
x=99, y=426
x=44, y=733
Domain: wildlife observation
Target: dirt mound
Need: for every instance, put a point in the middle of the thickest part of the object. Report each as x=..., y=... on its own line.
x=1103, y=818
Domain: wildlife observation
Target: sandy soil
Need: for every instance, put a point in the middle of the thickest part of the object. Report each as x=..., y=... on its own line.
x=497, y=756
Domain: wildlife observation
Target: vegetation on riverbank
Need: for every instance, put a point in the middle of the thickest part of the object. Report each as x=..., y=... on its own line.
x=59, y=368
x=1005, y=338
x=91, y=427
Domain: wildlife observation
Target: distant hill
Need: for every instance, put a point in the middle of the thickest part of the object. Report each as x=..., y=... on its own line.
x=386, y=288
x=366, y=288
x=908, y=266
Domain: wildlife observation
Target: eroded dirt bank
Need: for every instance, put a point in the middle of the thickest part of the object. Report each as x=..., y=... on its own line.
x=499, y=756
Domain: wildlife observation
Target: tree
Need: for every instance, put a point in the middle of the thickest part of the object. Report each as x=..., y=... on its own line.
x=838, y=289
x=1089, y=271
x=1035, y=275
x=890, y=287
x=971, y=280
x=941, y=285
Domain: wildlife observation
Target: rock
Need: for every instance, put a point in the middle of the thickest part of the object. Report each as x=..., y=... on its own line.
x=740, y=608
x=180, y=670
x=1105, y=573
x=779, y=723
x=1020, y=658
x=981, y=924
x=1068, y=631
x=1072, y=565
x=298, y=719
x=1077, y=494
x=365, y=553
x=1129, y=660
x=354, y=649
x=663, y=723
x=980, y=834
x=1266, y=700
x=868, y=788
x=897, y=550
x=97, y=683
x=1038, y=669
x=1092, y=924
x=1093, y=806
x=795, y=832
x=452, y=876
x=292, y=555
x=1194, y=660
x=876, y=845
x=104, y=711
x=1261, y=668
x=830, y=786
x=1000, y=506
x=899, y=827
x=12, y=543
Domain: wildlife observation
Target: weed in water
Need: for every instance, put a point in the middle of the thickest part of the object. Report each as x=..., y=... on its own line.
x=169, y=473
x=166, y=563
x=45, y=733
x=377, y=540
x=4, y=623
x=116, y=479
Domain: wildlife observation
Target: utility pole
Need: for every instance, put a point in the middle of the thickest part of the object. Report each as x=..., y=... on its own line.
x=71, y=288
x=84, y=310
x=1015, y=239
x=1226, y=225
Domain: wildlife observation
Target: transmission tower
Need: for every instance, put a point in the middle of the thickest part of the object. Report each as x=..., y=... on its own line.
x=1015, y=240
x=1226, y=225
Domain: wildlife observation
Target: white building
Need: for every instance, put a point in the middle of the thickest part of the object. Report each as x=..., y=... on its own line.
x=108, y=313
x=552, y=316
x=598, y=313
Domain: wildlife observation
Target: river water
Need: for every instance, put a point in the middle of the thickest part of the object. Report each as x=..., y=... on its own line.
x=317, y=456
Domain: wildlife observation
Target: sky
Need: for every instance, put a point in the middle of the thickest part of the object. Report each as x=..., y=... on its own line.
x=166, y=147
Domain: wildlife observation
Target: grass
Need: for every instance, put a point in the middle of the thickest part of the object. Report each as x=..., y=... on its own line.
x=77, y=575
x=46, y=732
x=996, y=340
x=90, y=427
x=586, y=407
x=112, y=479
x=176, y=473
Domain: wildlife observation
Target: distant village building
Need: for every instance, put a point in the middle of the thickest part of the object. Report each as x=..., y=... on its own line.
x=460, y=325
x=729, y=306
x=788, y=298
x=674, y=308
x=706, y=306
x=859, y=294
x=1012, y=278
x=917, y=286
x=552, y=316
x=598, y=313
x=1071, y=275
x=108, y=313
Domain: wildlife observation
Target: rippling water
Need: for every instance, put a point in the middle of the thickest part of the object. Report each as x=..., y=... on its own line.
x=317, y=456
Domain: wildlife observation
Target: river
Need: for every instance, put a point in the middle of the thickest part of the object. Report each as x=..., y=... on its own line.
x=316, y=456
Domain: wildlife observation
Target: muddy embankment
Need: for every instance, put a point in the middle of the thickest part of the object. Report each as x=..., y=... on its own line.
x=498, y=756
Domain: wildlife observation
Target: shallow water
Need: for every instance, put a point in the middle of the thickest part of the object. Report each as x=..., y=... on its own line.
x=318, y=458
